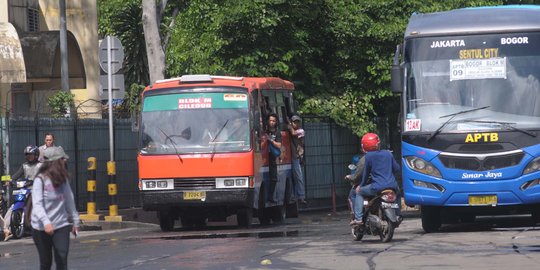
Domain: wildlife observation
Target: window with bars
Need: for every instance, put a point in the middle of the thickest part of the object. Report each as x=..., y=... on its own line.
x=33, y=20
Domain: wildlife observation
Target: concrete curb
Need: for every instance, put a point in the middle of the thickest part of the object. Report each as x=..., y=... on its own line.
x=138, y=218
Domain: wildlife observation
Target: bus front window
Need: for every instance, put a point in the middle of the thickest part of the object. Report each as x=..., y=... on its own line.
x=444, y=81
x=204, y=129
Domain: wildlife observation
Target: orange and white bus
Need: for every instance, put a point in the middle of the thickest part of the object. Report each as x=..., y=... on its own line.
x=203, y=151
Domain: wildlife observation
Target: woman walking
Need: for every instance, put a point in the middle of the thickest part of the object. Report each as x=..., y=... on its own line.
x=54, y=215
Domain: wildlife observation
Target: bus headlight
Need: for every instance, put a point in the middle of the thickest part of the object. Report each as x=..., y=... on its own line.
x=422, y=166
x=157, y=184
x=232, y=182
x=533, y=166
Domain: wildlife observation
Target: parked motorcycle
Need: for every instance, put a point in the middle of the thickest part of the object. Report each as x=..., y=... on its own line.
x=380, y=217
x=20, y=222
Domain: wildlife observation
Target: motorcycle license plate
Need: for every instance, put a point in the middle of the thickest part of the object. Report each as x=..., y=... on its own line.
x=389, y=205
x=483, y=200
x=17, y=192
x=194, y=195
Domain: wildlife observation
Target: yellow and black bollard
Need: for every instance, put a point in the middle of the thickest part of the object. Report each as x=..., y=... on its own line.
x=91, y=187
x=113, y=192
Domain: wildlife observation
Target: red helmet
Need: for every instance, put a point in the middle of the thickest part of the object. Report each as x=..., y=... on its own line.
x=370, y=142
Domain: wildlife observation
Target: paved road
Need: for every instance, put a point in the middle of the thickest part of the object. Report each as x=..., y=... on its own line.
x=315, y=241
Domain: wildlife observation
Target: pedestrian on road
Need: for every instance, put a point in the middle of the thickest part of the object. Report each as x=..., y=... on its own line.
x=49, y=142
x=54, y=214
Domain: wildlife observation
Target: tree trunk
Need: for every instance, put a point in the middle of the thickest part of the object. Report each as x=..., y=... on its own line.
x=154, y=50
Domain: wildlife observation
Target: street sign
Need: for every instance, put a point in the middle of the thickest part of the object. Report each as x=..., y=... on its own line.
x=117, y=54
x=117, y=86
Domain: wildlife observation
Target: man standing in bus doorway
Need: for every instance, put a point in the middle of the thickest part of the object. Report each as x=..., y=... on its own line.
x=297, y=134
x=273, y=136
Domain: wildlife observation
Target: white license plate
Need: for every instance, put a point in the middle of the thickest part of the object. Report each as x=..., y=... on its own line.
x=389, y=205
x=17, y=192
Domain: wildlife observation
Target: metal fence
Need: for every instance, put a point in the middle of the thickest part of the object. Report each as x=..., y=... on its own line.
x=329, y=149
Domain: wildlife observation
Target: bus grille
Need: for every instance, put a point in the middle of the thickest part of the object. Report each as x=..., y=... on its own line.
x=198, y=183
x=481, y=163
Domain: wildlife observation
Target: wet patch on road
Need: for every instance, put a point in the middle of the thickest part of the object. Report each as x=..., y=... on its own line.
x=265, y=234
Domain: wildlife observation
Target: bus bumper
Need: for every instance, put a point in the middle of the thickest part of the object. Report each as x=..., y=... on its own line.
x=421, y=189
x=156, y=200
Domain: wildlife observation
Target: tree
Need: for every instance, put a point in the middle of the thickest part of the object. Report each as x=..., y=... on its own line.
x=338, y=53
x=154, y=49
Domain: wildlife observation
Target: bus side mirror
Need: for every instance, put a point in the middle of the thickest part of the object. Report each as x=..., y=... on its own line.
x=397, y=73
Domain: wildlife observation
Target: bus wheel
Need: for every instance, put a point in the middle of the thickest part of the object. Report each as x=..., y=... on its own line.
x=166, y=221
x=431, y=219
x=535, y=214
x=263, y=215
x=278, y=214
x=245, y=217
x=292, y=210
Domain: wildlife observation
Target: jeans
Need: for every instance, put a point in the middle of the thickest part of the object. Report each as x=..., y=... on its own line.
x=358, y=200
x=298, y=176
x=45, y=244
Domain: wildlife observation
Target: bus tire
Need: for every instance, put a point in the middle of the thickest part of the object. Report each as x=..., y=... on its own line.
x=166, y=221
x=263, y=216
x=278, y=214
x=244, y=217
x=431, y=218
x=292, y=210
x=291, y=204
x=535, y=214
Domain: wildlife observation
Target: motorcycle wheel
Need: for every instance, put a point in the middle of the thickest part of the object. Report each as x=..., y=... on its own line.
x=356, y=233
x=17, y=224
x=388, y=233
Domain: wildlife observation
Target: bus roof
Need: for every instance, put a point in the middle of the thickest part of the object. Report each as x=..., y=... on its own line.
x=511, y=18
x=203, y=80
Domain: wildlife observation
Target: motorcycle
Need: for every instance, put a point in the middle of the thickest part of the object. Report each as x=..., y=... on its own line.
x=380, y=217
x=20, y=222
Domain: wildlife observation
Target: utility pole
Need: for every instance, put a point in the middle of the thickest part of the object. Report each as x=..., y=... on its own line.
x=64, y=52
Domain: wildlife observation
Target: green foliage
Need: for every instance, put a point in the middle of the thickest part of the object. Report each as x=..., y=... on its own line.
x=60, y=103
x=132, y=100
x=337, y=52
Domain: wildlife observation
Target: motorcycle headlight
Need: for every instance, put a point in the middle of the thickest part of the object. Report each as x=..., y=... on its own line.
x=20, y=184
x=533, y=166
x=422, y=166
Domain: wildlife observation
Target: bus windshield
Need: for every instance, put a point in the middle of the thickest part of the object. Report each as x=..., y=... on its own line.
x=206, y=122
x=496, y=74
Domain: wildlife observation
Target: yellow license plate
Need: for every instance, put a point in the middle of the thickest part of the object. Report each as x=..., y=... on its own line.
x=194, y=195
x=483, y=200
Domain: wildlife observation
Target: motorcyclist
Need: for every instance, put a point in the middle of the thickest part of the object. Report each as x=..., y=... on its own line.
x=380, y=165
x=354, y=180
x=28, y=170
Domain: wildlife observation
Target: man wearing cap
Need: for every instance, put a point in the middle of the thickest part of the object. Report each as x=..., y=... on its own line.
x=297, y=157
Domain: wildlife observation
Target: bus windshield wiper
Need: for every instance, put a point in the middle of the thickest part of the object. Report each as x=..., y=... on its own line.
x=167, y=137
x=215, y=138
x=505, y=124
x=450, y=119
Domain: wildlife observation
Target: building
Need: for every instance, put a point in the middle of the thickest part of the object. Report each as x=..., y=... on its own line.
x=30, y=56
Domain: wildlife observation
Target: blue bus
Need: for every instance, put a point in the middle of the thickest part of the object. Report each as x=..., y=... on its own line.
x=470, y=113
